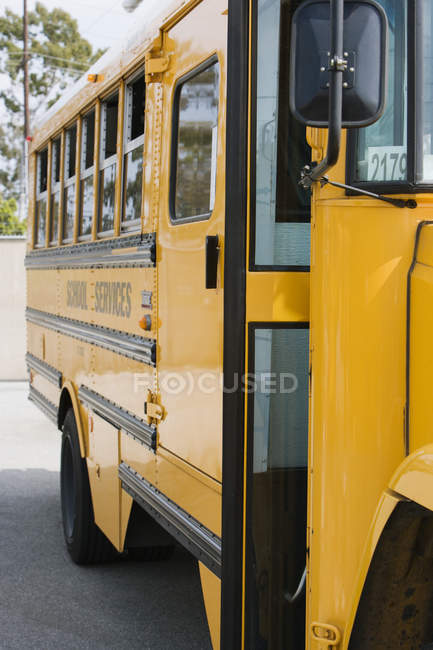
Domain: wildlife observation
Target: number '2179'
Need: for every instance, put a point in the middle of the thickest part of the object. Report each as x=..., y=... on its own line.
x=387, y=166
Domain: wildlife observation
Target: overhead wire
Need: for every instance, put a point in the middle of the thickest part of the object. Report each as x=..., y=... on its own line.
x=84, y=66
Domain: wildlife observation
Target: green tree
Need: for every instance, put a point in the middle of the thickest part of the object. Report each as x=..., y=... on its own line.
x=58, y=54
x=9, y=222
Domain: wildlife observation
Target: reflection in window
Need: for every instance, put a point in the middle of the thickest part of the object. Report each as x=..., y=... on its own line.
x=55, y=206
x=133, y=172
x=71, y=151
x=108, y=166
x=278, y=489
x=133, y=150
x=69, y=212
x=196, y=145
x=86, y=206
x=69, y=191
x=87, y=169
x=282, y=207
x=41, y=216
x=41, y=197
x=381, y=151
x=107, y=197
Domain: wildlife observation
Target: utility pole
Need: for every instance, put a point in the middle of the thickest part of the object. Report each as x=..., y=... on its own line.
x=24, y=172
x=26, y=71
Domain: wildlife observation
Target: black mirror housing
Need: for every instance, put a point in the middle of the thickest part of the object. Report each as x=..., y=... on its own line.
x=364, y=63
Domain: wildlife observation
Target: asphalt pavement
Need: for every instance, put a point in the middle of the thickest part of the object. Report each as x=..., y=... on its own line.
x=46, y=602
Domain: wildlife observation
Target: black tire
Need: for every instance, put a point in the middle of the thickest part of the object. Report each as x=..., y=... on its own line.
x=85, y=542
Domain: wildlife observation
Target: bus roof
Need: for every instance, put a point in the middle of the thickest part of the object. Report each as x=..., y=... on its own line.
x=147, y=19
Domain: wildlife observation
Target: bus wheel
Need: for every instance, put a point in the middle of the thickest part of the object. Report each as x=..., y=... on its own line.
x=85, y=542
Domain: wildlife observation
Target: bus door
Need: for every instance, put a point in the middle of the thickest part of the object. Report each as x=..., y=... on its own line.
x=191, y=241
x=277, y=360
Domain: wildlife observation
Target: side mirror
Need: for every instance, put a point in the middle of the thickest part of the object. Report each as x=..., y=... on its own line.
x=363, y=64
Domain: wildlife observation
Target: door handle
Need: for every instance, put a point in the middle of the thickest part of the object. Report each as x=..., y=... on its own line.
x=212, y=255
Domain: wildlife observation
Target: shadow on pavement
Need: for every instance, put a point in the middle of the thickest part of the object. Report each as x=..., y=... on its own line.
x=48, y=602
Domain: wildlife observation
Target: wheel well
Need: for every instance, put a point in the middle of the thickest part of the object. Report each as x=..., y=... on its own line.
x=64, y=405
x=397, y=599
x=144, y=531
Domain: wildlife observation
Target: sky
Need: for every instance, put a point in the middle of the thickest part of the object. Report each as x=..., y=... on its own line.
x=102, y=22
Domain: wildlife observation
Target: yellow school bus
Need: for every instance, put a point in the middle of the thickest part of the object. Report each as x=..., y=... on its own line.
x=238, y=360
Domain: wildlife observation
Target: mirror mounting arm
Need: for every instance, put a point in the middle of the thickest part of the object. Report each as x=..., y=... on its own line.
x=398, y=203
x=337, y=67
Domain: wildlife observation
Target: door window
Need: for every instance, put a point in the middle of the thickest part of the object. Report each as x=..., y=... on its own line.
x=195, y=144
x=280, y=207
x=277, y=487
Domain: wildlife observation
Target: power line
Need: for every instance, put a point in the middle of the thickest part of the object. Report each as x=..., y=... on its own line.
x=84, y=66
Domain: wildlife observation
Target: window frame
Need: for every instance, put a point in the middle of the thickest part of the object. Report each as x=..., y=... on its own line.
x=414, y=118
x=40, y=196
x=69, y=181
x=86, y=173
x=129, y=145
x=104, y=163
x=55, y=186
x=175, y=114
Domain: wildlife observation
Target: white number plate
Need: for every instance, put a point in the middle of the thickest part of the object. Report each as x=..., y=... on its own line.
x=387, y=163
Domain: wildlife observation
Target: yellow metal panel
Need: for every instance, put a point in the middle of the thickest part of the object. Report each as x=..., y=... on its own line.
x=277, y=296
x=44, y=386
x=103, y=462
x=139, y=457
x=42, y=344
x=125, y=511
x=100, y=289
x=421, y=352
x=80, y=417
x=191, y=317
x=361, y=253
x=42, y=289
x=414, y=477
x=121, y=380
x=211, y=587
x=191, y=490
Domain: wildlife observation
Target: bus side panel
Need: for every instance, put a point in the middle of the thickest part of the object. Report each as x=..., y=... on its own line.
x=102, y=463
x=420, y=407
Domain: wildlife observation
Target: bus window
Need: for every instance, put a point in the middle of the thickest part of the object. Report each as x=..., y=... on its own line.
x=41, y=198
x=280, y=234
x=55, y=191
x=381, y=149
x=108, y=164
x=86, y=174
x=195, y=131
x=133, y=151
x=69, y=191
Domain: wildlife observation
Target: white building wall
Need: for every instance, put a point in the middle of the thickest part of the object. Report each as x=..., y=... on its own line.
x=12, y=308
